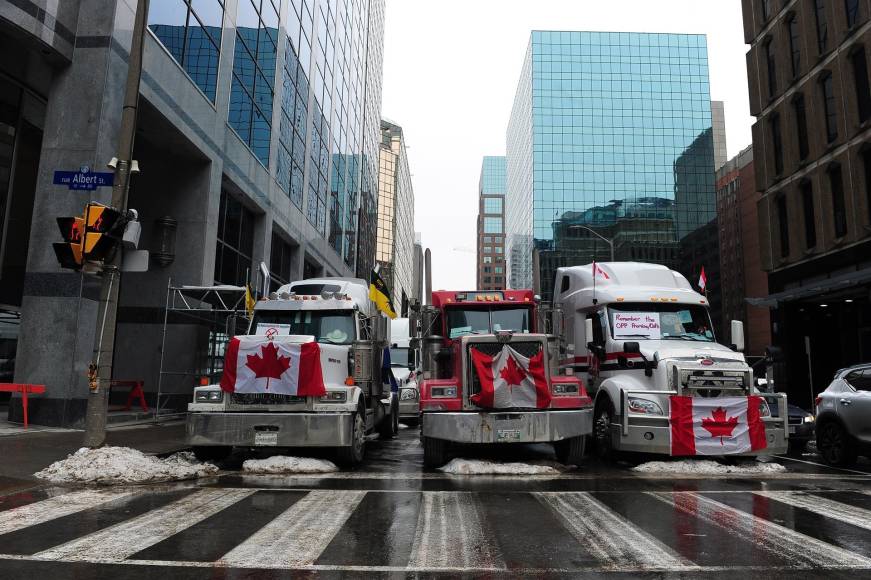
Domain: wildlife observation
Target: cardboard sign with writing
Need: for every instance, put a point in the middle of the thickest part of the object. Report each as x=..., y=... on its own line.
x=643, y=325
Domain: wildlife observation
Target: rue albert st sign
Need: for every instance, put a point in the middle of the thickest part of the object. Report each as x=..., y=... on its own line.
x=83, y=179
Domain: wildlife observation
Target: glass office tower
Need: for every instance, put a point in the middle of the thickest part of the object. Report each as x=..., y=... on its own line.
x=609, y=132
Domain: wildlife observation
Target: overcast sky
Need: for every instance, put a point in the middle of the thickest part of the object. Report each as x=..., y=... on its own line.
x=450, y=73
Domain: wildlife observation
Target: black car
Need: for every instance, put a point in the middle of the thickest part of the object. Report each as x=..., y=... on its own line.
x=801, y=426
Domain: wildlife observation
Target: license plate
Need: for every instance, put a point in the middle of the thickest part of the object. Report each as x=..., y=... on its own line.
x=266, y=438
x=792, y=430
x=507, y=434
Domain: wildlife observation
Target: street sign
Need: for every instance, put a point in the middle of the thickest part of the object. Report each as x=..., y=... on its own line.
x=83, y=179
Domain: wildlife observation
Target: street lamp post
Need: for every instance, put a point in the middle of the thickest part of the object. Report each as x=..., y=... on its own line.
x=598, y=235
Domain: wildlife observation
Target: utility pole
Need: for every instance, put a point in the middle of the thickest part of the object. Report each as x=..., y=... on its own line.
x=100, y=372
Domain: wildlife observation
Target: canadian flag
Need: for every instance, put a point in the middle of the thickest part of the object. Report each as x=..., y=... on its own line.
x=598, y=271
x=283, y=365
x=703, y=280
x=510, y=380
x=716, y=426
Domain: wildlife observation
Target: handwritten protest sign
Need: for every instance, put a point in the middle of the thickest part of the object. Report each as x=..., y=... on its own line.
x=637, y=325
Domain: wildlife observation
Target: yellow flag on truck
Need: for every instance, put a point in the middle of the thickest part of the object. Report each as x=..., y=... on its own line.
x=380, y=294
x=249, y=300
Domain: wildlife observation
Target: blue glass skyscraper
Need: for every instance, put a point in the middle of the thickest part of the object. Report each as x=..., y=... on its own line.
x=610, y=132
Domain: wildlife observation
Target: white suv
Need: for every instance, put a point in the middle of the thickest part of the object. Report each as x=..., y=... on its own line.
x=844, y=416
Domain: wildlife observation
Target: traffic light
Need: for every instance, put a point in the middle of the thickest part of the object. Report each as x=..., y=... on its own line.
x=69, y=252
x=103, y=232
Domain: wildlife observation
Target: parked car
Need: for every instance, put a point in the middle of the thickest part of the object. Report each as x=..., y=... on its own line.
x=801, y=427
x=844, y=416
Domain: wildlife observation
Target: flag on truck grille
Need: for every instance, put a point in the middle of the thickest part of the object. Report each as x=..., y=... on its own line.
x=379, y=293
x=280, y=365
x=510, y=380
x=716, y=425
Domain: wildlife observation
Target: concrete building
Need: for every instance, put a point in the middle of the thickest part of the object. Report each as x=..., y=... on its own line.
x=257, y=140
x=809, y=90
x=718, y=133
x=491, y=225
x=741, y=274
x=394, y=248
x=417, y=287
x=610, y=134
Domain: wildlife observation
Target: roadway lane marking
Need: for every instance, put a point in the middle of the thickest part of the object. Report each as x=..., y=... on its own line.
x=821, y=465
x=820, y=505
x=299, y=534
x=55, y=507
x=117, y=542
x=762, y=533
x=451, y=533
x=610, y=537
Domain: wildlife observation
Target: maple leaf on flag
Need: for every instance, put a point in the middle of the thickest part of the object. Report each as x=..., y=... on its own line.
x=718, y=425
x=270, y=365
x=512, y=372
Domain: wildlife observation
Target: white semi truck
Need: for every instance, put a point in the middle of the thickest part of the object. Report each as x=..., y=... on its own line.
x=351, y=335
x=637, y=333
x=404, y=361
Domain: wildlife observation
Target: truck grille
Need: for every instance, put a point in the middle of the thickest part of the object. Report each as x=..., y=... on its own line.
x=712, y=383
x=525, y=348
x=264, y=399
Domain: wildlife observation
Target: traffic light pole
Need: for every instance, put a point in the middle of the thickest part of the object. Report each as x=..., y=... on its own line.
x=100, y=373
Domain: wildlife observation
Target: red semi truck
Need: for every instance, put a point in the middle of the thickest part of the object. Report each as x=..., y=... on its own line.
x=489, y=376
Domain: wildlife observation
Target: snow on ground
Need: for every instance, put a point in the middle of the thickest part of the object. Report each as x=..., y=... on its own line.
x=283, y=464
x=708, y=467
x=108, y=465
x=479, y=467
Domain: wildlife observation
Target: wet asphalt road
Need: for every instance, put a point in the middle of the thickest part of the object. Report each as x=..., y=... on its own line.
x=390, y=518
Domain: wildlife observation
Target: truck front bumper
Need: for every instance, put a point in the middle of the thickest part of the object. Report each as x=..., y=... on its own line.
x=269, y=429
x=508, y=427
x=409, y=409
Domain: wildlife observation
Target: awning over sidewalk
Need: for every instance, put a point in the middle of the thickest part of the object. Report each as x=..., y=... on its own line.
x=833, y=284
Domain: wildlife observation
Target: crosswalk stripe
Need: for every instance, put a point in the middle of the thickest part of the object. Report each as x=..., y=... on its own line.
x=55, y=507
x=117, y=542
x=608, y=536
x=299, y=534
x=451, y=531
x=821, y=505
x=763, y=533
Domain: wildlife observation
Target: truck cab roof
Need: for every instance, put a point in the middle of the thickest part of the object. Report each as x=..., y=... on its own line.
x=321, y=294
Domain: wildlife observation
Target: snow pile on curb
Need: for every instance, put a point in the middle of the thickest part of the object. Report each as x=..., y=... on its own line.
x=478, y=467
x=282, y=464
x=708, y=467
x=108, y=465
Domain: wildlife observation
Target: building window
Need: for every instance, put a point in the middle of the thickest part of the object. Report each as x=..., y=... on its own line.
x=866, y=165
x=860, y=76
x=800, y=110
x=776, y=142
x=488, y=239
x=191, y=32
x=766, y=9
x=794, y=45
x=235, y=242
x=851, y=7
x=499, y=270
x=807, y=203
x=493, y=205
x=280, y=256
x=828, y=93
x=822, y=28
x=839, y=208
x=772, y=68
x=488, y=269
x=498, y=249
x=783, y=225
x=488, y=259
x=493, y=225
x=252, y=87
x=486, y=279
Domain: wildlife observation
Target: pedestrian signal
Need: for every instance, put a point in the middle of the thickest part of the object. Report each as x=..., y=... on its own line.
x=103, y=232
x=69, y=252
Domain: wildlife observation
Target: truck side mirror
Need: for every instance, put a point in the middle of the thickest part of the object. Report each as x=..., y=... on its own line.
x=738, y=335
x=631, y=348
x=588, y=330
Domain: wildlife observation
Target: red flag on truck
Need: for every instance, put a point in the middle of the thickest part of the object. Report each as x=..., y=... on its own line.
x=717, y=425
x=510, y=380
x=282, y=365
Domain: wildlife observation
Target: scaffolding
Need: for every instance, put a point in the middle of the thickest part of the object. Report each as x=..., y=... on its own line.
x=220, y=309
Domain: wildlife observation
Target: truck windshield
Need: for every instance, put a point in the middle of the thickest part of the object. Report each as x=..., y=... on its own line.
x=480, y=321
x=328, y=326
x=660, y=321
x=399, y=357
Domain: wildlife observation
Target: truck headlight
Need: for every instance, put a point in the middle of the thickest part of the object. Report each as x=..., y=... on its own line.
x=564, y=389
x=335, y=397
x=808, y=419
x=643, y=406
x=408, y=394
x=210, y=396
x=444, y=392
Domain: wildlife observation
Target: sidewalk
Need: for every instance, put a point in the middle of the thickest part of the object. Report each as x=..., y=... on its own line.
x=24, y=453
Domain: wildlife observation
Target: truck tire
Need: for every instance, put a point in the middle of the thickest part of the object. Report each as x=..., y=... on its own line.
x=602, y=419
x=353, y=454
x=389, y=426
x=435, y=452
x=835, y=445
x=212, y=453
x=571, y=451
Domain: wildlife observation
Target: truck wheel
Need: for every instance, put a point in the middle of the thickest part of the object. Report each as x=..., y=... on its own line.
x=389, y=426
x=602, y=419
x=352, y=455
x=216, y=453
x=571, y=451
x=835, y=445
x=435, y=452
